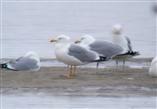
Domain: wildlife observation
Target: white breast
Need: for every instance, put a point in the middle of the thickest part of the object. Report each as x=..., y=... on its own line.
x=153, y=68
x=121, y=41
x=62, y=55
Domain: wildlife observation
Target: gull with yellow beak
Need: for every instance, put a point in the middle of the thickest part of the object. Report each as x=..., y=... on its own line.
x=72, y=54
x=106, y=50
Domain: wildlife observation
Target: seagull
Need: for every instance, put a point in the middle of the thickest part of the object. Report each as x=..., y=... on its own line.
x=29, y=62
x=124, y=42
x=154, y=7
x=153, y=67
x=106, y=50
x=72, y=54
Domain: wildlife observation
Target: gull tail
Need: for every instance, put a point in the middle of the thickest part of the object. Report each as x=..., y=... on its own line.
x=131, y=53
x=3, y=65
x=101, y=59
x=134, y=53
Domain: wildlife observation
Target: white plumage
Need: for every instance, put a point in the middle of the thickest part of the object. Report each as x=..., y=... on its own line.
x=72, y=54
x=118, y=38
x=124, y=42
x=153, y=68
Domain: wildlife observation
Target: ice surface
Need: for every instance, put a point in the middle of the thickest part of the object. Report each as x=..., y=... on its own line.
x=31, y=101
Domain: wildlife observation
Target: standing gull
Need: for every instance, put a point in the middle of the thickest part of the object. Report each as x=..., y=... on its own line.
x=124, y=42
x=72, y=54
x=106, y=50
x=29, y=62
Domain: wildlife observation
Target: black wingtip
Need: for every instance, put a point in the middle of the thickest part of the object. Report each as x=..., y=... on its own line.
x=3, y=65
x=134, y=53
x=101, y=59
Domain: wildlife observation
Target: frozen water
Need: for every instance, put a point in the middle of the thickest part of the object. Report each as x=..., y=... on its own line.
x=76, y=102
x=28, y=26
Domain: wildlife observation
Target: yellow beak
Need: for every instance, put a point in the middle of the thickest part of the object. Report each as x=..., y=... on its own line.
x=77, y=41
x=53, y=40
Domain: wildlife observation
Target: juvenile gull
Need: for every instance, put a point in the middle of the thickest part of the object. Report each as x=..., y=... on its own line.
x=124, y=42
x=106, y=50
x=72, y=54
x=29, y=62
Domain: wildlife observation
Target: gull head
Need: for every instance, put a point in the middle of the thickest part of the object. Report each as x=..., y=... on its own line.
x=60, y=38
x=117, y=29
x=85, y=39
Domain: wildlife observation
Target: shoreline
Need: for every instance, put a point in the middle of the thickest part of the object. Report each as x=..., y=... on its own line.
x=135, y=59
x=108, y=82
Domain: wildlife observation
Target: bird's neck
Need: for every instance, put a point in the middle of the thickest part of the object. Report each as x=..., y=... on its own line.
x=61, y=45
x=117, y=36
x=87, y=42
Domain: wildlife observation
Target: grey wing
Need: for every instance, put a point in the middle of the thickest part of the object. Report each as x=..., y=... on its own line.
x=15, y=61
x=105, y=48
x=81, y=53
x=24, y=64
x=129, y=43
